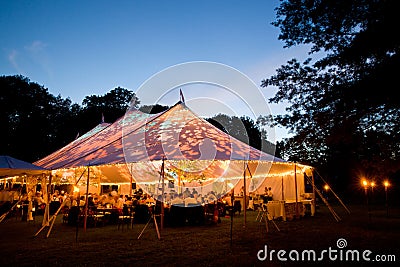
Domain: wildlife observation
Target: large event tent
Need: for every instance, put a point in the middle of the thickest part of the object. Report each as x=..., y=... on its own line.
x=192, y=152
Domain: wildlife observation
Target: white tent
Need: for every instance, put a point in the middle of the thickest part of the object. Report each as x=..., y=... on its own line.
x=194, y=153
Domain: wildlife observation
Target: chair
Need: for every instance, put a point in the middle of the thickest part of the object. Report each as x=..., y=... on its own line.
x=237, y=206
x=65, y=212
x=97, y=216
x=211, y=213
x=126, y=217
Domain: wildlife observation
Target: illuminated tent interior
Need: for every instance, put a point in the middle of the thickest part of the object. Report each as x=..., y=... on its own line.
x=192, y=152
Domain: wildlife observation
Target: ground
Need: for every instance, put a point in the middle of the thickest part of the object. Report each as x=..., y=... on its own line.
x=208, y=245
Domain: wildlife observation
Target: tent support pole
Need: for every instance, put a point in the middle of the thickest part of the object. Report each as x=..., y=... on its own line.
x=337, y=197
x=86, y=202
x=52, y=220
x=130, y=191
x=162, y=196
x=244, y=192
x=295, y=184
x=313, y=187
x=46, y=192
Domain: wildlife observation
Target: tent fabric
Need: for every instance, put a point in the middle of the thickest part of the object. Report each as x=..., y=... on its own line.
x=194, y=153
x=10, y=166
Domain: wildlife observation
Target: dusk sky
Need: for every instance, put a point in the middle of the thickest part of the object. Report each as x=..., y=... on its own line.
x=80, y=48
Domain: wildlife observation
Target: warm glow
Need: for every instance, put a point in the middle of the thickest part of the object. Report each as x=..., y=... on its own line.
x=372, y=184
x=365, y=183
x=326, y=187
x=386, y=183
x=76, y=189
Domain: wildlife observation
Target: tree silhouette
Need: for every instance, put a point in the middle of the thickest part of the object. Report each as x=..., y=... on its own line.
x=342, y=110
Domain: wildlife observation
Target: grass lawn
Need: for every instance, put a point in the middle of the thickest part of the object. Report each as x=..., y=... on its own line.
x=208, y=245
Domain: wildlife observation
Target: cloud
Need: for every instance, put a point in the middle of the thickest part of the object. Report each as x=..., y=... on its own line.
x=39, y=56
x=36, y=47
x=12, y=58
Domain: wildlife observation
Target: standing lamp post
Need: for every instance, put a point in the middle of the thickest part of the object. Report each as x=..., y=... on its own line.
x=371, y=195
x=326, y=187
x=386, y=184
x=372, y=187
x=365, y=184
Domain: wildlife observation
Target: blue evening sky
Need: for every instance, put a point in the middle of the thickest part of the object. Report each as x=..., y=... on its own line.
x=80, y=48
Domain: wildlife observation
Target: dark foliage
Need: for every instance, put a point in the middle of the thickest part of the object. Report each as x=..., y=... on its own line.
x=35, y=123
x=343, y=110
x=153, y=109
x=245, y=130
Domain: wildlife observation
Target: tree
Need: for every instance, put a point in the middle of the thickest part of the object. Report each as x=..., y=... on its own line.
x=245, y=130
x=341, y=107
x=153, y=109
x=34, y=122
x=110, y=106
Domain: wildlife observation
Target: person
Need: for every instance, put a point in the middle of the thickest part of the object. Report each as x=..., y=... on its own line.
x=211, y=197
x=265, y=195
x=270, y=194
x=251, y=202
x=178, y=199
x=119, y=201
x=91, y=203
x=186, y=193
x=82, y=201
x=190, y=200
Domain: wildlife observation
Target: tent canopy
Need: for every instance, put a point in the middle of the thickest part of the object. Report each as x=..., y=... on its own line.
x=193, y=152
x=10, y=166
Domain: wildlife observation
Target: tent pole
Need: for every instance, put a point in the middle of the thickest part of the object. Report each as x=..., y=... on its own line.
x=313, y=189
x=45, y=191
x=86, y=201
x=295, y=182
x=162, y=196
x=244, y=193
x=130, y=191
x=337, y=197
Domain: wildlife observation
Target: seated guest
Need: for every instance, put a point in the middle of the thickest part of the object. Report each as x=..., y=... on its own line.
x=211, y=197
x=190, y=200
x=228, y=199
x=186, y=193
x=200, y=199
x=129, y=201
x=119, y=203
x=178, y=199
x=82, y=201
x=91, y=202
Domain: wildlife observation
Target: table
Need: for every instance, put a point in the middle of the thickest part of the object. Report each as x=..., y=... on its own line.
x=142, y=213
x=276, y=209
x=284, y=209
x=180, y=215
x=309, y=202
